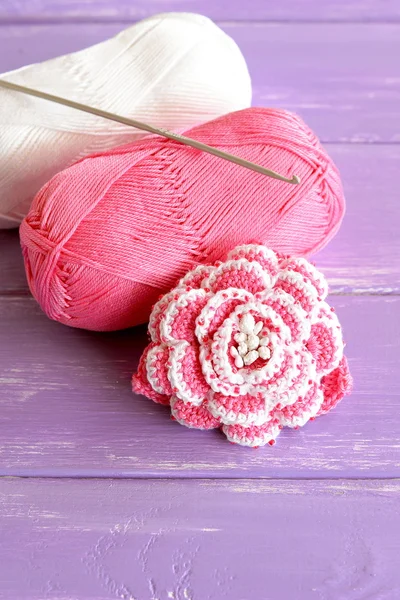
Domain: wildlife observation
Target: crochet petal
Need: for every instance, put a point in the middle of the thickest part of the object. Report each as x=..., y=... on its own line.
x=335, y=386
x=242, y=410
x=295, y=377
x=197, y=417
x=179, y=319
x=291, y=313
x=185, y=374
x=301, y=289
x=308, y=272
x=140, y=383
x=254, y=252
x=157, y=369
x=229, y=383
x=217, y=309
x=158, y=313
x=239, y=274
x=254, y=435
x=193, y=279
x=304, y=409
x=325, y=342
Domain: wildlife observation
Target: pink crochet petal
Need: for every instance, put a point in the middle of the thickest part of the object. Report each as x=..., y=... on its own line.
x=254, y=435
x=309, y=272
x=294, y=379
x=299, y=288
x=239, y=274
x=242, y=410
x=158, y=313
x=197, y=417
x=291, y=313
x=225, y=384
x=193, y=279
x=178, y=322
x=335, y=386
x=325, y=342
x=305, y=408
x=254, y=252
x=217, y=309
x=157, y=369
x=185, y=374
x=140, y=383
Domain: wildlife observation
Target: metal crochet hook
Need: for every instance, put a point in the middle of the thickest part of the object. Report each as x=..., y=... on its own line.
x=143, y=126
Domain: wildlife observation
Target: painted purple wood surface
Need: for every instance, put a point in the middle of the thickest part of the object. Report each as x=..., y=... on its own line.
x=12, y=273
x=267, y=10
x=348, y=90
x=365, y=255
x=66, y=408
x=205, y=540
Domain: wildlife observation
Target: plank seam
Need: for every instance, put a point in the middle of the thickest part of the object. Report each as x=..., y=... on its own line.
x=110, y=20
x=204, y=478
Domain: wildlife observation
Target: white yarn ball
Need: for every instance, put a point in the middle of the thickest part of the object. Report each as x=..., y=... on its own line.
x=173, y=70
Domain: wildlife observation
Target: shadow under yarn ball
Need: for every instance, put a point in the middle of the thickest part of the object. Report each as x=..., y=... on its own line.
x=106, y=236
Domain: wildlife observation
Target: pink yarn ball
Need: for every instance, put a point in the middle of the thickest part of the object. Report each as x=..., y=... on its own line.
x=106, y=236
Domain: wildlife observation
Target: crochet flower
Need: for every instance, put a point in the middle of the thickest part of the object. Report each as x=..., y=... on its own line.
x=249, y=345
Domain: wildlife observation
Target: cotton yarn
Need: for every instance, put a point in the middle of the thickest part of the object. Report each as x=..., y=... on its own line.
x=173, y=70
x=104, y=237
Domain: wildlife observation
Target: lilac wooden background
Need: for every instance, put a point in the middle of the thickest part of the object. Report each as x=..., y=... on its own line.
x=101, y=496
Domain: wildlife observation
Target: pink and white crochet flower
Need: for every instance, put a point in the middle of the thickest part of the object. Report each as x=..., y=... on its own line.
x=249, y=345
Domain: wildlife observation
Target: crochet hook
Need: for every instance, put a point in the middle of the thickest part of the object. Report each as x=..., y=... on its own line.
x=149, y=128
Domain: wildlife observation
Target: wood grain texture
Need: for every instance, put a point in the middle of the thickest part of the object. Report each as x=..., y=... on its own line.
x=365, y=255
x=66, y=408
x=289, y=10
x=12, y=273
x=347, y=91
x=208, y=540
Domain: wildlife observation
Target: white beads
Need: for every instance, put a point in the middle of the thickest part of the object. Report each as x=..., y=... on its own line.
x=264, y=352
x=242, y=348
x=253, y=341
x=239, y=363
x=238, y=359
x=250, y=347
x=250, y=357
x=240, y=337
x=258, y=327
x=247, y=323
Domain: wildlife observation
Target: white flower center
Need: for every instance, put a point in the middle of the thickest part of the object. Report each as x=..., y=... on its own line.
x=250, y=346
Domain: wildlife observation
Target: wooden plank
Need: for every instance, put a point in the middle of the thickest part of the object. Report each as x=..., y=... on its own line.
x=66, y=408
x=348, y=90
x=290, y=10
x=185, y=540
x=12, y=271
x=365, y=255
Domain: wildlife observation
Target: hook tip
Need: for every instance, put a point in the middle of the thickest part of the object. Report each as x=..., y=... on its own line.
x=295, y=179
